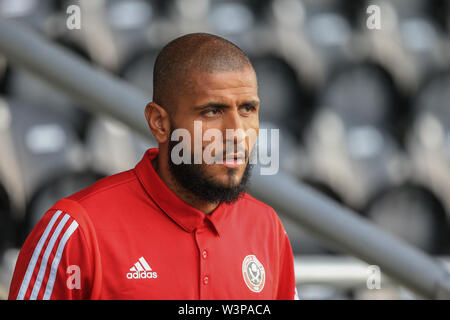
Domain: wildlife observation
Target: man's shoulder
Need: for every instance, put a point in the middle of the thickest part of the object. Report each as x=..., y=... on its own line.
x=261, y=212
x=106, y=186
x=100, y=200
x=257, y=205
x=249, y=199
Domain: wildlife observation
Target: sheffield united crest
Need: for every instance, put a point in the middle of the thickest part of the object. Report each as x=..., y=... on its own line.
x=253, y=273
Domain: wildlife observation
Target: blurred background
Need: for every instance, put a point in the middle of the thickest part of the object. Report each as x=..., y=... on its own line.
x=364, y=115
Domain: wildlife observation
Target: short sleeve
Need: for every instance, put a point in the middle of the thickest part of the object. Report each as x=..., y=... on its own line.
x=54, y=262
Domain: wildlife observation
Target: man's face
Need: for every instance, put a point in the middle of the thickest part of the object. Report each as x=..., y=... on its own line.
x=223, y=100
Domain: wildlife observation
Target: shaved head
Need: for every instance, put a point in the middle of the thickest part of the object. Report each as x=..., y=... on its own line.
x=192, y=53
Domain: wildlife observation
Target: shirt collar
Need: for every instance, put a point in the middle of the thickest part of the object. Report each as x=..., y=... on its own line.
x=186, y=216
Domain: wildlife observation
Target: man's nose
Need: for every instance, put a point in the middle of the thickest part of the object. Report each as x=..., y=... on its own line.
x=235, y=124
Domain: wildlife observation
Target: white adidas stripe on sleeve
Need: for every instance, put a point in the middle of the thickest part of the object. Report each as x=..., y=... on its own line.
x=48, y=250
x=35, y=256
x=46, y=255
x=51, y=281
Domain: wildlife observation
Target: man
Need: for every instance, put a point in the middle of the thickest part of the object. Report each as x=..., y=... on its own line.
x=167, y=230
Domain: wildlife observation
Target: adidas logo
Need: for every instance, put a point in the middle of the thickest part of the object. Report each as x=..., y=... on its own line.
x=141, y=270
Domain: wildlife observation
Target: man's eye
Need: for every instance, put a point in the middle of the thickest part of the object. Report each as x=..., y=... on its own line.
x=211, y=113
x=248, y=109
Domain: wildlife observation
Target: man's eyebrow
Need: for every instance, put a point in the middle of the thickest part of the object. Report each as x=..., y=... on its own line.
x=212, y=105
x=252, y=103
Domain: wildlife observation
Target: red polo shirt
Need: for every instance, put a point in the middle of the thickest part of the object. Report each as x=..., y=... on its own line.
x=128, y=236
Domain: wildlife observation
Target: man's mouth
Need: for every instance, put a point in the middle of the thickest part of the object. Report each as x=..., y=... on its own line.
x=234, y=160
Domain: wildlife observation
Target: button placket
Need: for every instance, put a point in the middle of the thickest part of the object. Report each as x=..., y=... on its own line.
x=201, y=237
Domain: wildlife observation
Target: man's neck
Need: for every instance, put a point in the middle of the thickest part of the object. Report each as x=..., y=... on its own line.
x=162, y=169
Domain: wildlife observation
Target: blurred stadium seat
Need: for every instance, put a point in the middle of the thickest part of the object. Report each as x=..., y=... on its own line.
x=349, y=141
x=414, y=214
x=428, y=140
x=40, y=144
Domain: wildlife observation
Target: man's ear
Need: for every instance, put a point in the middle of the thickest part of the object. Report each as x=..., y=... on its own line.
x=158, y=121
